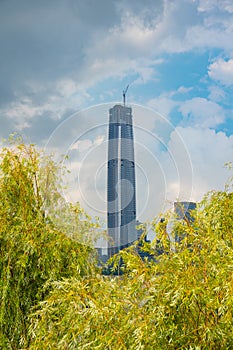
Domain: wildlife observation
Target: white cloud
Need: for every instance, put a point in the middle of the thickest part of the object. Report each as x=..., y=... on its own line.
x=99, y=139
x=163, y=104
x=184, y=90
x=222, y=71
x=131, y=43
x=86, y=144
x=66, y=95
x=216, y=93
x=124, y=47
x=81, y=145
x=209, y=151
x=78, y=46
x=22, y=112
x=202, y=112
x=208, y=5
x=67, y=87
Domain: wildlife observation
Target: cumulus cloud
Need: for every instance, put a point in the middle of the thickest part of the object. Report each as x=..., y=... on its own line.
x=163, y=104
x=82, y=145
x=184, y=90
x=202, y=112
x=222, y=71
x=38, y=101
x=208, y=165
x=216, y=94
x=197, y=111
x=59, y=57
x=167, y=101
x=77, y=36
x=207, y=5
x=74, y=45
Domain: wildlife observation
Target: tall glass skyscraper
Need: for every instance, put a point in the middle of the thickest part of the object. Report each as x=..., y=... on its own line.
x=121, y=192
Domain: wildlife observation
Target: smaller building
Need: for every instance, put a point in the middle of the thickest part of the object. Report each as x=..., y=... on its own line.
x=183, y=211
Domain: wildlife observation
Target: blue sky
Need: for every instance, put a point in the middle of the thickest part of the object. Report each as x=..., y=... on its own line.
x=61, y=57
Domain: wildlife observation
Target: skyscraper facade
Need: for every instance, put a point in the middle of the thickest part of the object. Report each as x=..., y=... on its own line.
x=121, y=191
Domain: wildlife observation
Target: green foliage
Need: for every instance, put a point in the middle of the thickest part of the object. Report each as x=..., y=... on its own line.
x=53, y=297
x=32, y=250
x=183, y=299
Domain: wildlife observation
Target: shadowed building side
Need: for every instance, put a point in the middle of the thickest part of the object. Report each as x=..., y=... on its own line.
x=183, y=211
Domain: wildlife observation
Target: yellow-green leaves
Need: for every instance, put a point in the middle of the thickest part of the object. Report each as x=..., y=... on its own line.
x=54, y=297
x=32, y=250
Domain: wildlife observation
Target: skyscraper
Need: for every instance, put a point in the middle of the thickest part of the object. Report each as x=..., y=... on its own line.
x=121, y=194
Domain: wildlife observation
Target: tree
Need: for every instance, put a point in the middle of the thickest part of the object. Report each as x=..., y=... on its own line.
x=33, y=250
x=181, y=299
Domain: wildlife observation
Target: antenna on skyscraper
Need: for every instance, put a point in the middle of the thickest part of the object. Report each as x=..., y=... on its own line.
x=124, y=94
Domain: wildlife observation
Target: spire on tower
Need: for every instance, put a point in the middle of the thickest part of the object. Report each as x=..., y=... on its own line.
x=124, y=94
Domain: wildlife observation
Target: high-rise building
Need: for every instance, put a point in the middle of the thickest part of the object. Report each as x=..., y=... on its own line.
x=121, y=196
